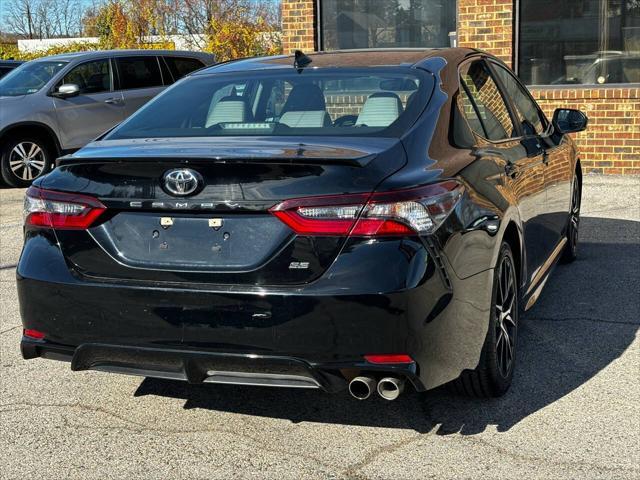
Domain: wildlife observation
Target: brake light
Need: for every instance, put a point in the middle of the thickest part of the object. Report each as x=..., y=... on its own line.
x=63, y=211
x=403, y=212
x=389, y=358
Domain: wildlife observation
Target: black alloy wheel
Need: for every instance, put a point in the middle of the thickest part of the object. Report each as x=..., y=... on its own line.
x=505, y=325
x=570, y=252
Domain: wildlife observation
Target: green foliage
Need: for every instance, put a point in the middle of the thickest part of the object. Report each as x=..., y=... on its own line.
x=229, y=28
x=229, y=39
x=10, y=51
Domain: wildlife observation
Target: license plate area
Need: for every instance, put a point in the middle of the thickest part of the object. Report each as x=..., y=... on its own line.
x=192, y=242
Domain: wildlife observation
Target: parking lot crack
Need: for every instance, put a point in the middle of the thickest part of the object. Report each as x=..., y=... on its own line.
x=352, y=472
x=137, y=427
x=10, y=329
x=536, y=459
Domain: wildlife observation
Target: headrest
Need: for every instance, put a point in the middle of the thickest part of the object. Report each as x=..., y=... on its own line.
x=380, y=110
x=304, y=98
x=233, y=108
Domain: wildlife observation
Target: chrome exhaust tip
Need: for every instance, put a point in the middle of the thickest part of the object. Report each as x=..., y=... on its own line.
x=390, y=388
x=361, y=387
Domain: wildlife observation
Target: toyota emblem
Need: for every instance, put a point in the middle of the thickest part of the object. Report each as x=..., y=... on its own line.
x=181, y=181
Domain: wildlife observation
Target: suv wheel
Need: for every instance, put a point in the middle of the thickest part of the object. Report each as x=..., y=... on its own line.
x=24, y=159
x=492, y=377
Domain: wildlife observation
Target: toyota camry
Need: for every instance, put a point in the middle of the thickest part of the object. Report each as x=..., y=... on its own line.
x=366, y=221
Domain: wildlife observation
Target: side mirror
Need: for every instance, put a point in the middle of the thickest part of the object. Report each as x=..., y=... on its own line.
x=67, y=90
x=568, y=120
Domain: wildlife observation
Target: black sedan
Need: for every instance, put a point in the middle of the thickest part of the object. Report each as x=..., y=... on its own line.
x=361, y=220
x=7, y=65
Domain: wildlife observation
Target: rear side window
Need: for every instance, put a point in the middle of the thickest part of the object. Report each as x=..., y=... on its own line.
x=490, y=110
x=91, y=77
x=470, y=112
x=138, y=72
x=526, y=109
x=181, y=66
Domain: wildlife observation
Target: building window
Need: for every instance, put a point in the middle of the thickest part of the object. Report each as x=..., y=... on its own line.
x=579, y=42
x=386, y=23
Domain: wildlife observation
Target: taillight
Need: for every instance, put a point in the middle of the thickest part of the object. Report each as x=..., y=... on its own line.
x=403, y=212
x=63, y=211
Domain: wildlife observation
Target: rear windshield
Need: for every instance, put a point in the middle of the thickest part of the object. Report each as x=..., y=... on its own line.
x=379, y=101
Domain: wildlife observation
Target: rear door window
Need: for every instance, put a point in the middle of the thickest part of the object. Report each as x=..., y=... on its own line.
x=138, y=72
x=527, y=111
x=490, y=109
x=181, y=66
x=91, y=77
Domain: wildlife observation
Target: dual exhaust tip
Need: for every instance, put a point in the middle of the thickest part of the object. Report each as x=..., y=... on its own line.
x=388, y=388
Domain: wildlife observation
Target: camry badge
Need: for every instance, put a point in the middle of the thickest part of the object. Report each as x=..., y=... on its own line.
x=181, y=181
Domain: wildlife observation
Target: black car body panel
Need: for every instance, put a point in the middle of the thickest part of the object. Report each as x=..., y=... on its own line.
x=252, y=301
x=253, y=247
x=7, y=65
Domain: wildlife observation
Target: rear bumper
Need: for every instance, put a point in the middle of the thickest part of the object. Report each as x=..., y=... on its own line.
x=322, y=329
x=207, y=367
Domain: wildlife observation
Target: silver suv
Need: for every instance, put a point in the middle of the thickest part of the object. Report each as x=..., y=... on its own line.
x=55, y=105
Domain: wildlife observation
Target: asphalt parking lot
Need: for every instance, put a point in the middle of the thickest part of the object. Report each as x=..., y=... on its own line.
x=573, y=411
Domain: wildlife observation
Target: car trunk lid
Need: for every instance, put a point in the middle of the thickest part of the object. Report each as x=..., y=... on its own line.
x=223, y=233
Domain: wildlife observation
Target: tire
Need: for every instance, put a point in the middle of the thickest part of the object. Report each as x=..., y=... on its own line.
x=570, y=252
x=25, y=158
x=494, y=373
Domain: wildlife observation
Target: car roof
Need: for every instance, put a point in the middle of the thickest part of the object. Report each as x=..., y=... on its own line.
x=346, y=58
x=88, y=55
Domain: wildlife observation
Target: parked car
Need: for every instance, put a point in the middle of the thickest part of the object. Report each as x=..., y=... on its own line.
x=55, y=105
x=363, y=220
x=606, y=68
x=7, y=65
x=615, y=69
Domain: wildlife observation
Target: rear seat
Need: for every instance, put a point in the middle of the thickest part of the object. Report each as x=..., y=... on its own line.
x=233, y=109
x=305, y=108
x=380, y=110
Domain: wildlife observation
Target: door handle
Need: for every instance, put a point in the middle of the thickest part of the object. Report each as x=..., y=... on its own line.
x=545, y=157
x=511, y=170
x=113, y=101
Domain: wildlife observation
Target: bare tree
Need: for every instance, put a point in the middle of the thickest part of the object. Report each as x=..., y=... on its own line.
x=43, y=18
x=66, y=18
x=197, y=15
x=20, y=15
x=67, y=15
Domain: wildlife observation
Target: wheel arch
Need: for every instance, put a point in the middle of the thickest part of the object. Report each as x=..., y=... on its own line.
x=513, y=237
x=33, y=128
x=579, y=170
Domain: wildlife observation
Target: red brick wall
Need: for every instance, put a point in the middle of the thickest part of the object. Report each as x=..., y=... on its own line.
x=487, y=25
x=298, y=26
x=611, y=143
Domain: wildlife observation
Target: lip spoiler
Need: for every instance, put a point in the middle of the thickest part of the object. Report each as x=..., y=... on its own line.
x=351, y=162
x=356, y=152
